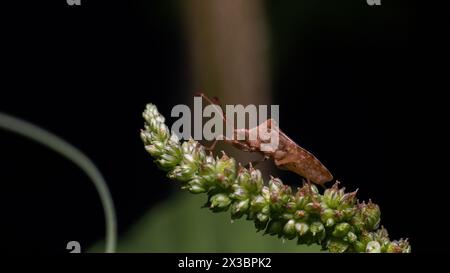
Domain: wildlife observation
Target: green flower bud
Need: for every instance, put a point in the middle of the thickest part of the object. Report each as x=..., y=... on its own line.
x=151, y=113
x=358, y=223
x=196, y=185
x=258, y=202
x=309, y=191
x=156, y=148
x=188, y=159
x=401, y=246
x=350, y=237
x=275, y=184
x=329, y=222
x=285, y=194
x=373, y=247
x=382, y=236
x=274, y=227
x=337, y=245
x=393, y=248
x=287, y=216
x=328, y=217
x=347, y=200
x=207, y=170
x=239, y=192
x=404, y=245
x=348, y=213
x=243, y=177
x=262, y=217
x=261, y=221
x=317, y=229
x=301, y=200
x=301, y=215
x=291, y=207
x=219, y=202
x=266, y=210
x=146, y=136
x=196, y=189
x=153, y=150
x=313, y=207
x=280, y=195
x=341, y=229
x=365, y=237
x=183, y=172
x=256, y=181
x=327, y=213
x=359, y=246
x=331, y=196
x=226, y=170
x=188, y=147
x=239, y=208
x=301, y=228
x=265, y=192
x=164, y=164
x=209, y=160
x=163, y=132
x=372, y=216
x=250, y=180
x=174, y=140
x=314, y=189
x=366, y=217
x=289, y=229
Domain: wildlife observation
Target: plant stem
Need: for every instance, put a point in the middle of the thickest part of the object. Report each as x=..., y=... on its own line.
x=336, y=220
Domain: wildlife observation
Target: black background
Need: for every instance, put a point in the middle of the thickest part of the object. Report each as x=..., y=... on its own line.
x=85, y=73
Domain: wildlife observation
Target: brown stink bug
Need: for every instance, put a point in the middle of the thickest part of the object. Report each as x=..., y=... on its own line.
x=287, y=155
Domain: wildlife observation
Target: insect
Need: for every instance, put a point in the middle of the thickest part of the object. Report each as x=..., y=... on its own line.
x=288, y=155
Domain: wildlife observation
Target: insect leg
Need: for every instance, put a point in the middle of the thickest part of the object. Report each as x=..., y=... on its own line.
x=308, y=182
x=215, y=101
x=213, y=145
x=256, y=162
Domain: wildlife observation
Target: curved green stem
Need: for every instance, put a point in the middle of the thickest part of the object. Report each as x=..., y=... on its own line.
x=67, y=150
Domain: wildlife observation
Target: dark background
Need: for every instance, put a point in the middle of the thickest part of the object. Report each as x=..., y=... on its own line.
x=85, y=73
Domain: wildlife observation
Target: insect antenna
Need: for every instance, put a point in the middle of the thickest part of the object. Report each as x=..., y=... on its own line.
x=215, y=102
